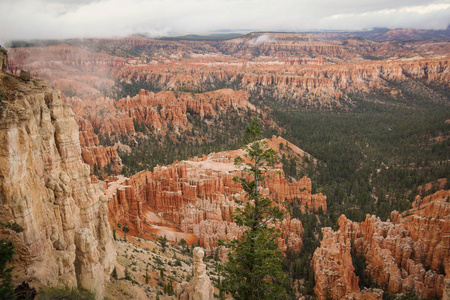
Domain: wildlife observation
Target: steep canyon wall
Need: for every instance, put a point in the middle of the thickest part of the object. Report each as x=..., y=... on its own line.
x=46, y=188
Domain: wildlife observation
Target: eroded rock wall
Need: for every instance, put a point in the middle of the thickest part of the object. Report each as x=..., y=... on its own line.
x=198, y=196
x=408, y=253
x=47, y=188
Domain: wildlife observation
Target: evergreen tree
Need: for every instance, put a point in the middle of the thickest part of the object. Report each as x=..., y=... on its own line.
x=254, y=269
x=6, y=256
x=114, y=273
x=125, y=230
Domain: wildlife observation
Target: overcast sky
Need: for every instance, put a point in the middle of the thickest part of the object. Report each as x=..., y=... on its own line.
x=46, y=19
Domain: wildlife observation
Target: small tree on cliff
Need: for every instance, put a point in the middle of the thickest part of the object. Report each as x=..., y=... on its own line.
x=254, y=269
x=125, y=230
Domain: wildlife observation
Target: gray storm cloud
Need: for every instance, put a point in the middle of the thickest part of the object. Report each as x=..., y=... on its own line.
x=46, y=19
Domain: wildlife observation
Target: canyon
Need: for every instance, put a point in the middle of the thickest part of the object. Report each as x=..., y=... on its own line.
x=102, y=80
x=145, y=113
x=63, y=158
x=314, y=72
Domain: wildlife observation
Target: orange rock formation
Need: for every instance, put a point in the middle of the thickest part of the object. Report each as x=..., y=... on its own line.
x=318, y=73
x=150, y=112
x=92, y=152
x=154, y=111
x=409, y=253
x=198, y=196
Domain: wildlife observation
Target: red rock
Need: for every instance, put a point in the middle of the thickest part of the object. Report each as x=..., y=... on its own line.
x=333, y=267
x=398, y=251
x=198, y=196
x=93, y=154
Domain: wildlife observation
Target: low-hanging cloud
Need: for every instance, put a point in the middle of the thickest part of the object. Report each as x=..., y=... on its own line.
x=56, y=19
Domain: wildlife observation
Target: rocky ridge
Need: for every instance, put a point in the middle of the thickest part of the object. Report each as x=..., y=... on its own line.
x=153, y=112
x=314, y=72
x=408, y=253
x=313, y=85
x=198, y=196
x=46, y=189
x=145, y=113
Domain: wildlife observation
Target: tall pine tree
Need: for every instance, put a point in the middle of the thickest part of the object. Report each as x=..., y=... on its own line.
x=254, y=268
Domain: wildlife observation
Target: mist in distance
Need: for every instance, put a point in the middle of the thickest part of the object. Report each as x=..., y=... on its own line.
x=59, y=19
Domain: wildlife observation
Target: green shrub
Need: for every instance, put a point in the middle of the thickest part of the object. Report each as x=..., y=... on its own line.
x=114, y=273
x=13, y=226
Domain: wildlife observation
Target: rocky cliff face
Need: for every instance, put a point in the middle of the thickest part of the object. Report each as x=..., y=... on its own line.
x=333, y=267
x=94, y=154
x=314, y=85
x=408, y=253
x=153, y=112
x=47, y=189
x=198, y=196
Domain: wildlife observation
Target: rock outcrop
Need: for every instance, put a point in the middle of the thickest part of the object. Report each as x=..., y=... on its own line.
x=95, y=155
x=154, y=112
x=200, y=286
x=409, y=253
x=147, y=112
x=198, y=196
x=333, y=261
x=47, y=189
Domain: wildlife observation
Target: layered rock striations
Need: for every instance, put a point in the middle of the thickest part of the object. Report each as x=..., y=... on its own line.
x=314, y=85
x=334, y=271
x=298, y=67
x=409, y=253
x=198, y=196
x=47, y=189
x=95, y=155
x=103, y=121
x=153, y=112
